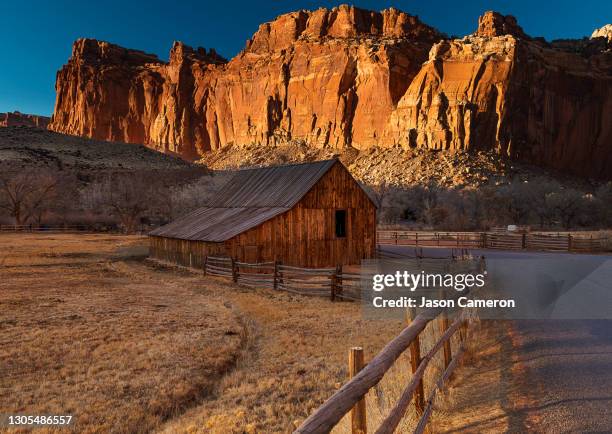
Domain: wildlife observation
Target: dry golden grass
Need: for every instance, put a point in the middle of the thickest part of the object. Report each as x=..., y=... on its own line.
x=296, y=358
x=87, y=330
x=485, y=393
x=89, y=327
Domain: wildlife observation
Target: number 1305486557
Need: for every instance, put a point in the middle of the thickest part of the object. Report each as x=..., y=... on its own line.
x=16, y=420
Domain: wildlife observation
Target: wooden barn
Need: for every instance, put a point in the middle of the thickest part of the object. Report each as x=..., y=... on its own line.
x=307, y=215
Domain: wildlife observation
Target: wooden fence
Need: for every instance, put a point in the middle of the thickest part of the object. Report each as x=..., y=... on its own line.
x=45, y=228
x=335, y=283
x=352, y=395
x=568, y=242
x=341, y=285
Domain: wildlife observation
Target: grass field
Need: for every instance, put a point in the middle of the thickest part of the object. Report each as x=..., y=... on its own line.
x=89, y=327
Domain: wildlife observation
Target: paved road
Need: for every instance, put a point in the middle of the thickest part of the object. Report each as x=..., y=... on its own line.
x=568, y=368
x=566, y=383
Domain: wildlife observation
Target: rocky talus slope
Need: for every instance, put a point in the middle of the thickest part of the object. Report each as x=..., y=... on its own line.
x=398, y=167
x=347, y=77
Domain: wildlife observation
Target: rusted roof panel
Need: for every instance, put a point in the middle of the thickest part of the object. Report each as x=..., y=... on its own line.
x=277, y=186
x=251, y=197
x=216, y=224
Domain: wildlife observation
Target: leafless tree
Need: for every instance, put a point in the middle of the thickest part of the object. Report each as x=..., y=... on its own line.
x=568, y=205
x=603, y=197
x=128, y=197
x=516, y=197
x=27, y=194
x=188, y=197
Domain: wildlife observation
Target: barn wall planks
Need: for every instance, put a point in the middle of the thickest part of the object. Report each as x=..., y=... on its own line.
x=302, y=236
x=305, y=235
x=184, y=252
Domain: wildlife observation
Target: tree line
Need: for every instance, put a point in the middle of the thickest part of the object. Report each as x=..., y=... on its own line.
x=135, y=201
x=540, y=203
x=128, y=201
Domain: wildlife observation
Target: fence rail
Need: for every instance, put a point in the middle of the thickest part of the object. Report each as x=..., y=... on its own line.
x=46, y=228
x=327, y=282
x=351, y=396
x=337, y=283
x=568, y=242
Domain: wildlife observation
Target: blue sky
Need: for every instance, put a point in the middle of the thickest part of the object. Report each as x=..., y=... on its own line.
x=36, y=37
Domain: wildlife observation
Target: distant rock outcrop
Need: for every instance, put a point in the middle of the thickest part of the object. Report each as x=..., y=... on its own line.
x=349, y=77
x=492, y=24
x=18, y=119
x=603, y=32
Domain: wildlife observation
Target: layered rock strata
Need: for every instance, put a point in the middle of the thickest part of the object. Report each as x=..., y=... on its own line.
x=349, y=77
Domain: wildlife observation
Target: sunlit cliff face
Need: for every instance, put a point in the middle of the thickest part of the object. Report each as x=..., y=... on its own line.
x=350, y=77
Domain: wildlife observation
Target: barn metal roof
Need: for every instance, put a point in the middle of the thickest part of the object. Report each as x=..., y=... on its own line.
x=275, y=186
x=250, y=197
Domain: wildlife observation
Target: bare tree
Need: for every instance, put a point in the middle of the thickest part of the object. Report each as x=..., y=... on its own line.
x=379, y=192
x=603, y=197
x=568, y=205
x=516, y=199
x=188, y=197
x=27, y=194
x=128, y=197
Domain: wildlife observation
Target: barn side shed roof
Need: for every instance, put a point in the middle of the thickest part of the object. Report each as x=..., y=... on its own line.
x=250, y=197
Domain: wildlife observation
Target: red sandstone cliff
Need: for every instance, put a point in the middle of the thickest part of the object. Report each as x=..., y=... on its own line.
x=18, y=119
x=347, y=76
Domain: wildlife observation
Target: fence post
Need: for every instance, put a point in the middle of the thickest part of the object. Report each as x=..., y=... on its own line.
x=524, y=241
x=569, y=242
x=415, y=361
x=205, y=263
x=395, y=234
x=416, y=238
x=234, y=270
x=463, y=330
x=338, y=282
x=332, y=285
x=275, y=276
x=443, y=327
x=358, y=412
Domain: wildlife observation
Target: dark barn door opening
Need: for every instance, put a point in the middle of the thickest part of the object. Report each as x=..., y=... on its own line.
x=340, y=223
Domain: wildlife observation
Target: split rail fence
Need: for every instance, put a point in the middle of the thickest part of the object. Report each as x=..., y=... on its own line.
x=336, y=283
x=446, y=344
x=351, y=397
x=44, y=228
x=495, y=240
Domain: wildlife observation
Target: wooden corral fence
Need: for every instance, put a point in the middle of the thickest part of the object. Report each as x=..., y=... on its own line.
x=45, y=228
x=335, y=283
x=352, y=395
x=562, y=242
x=338, y=283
